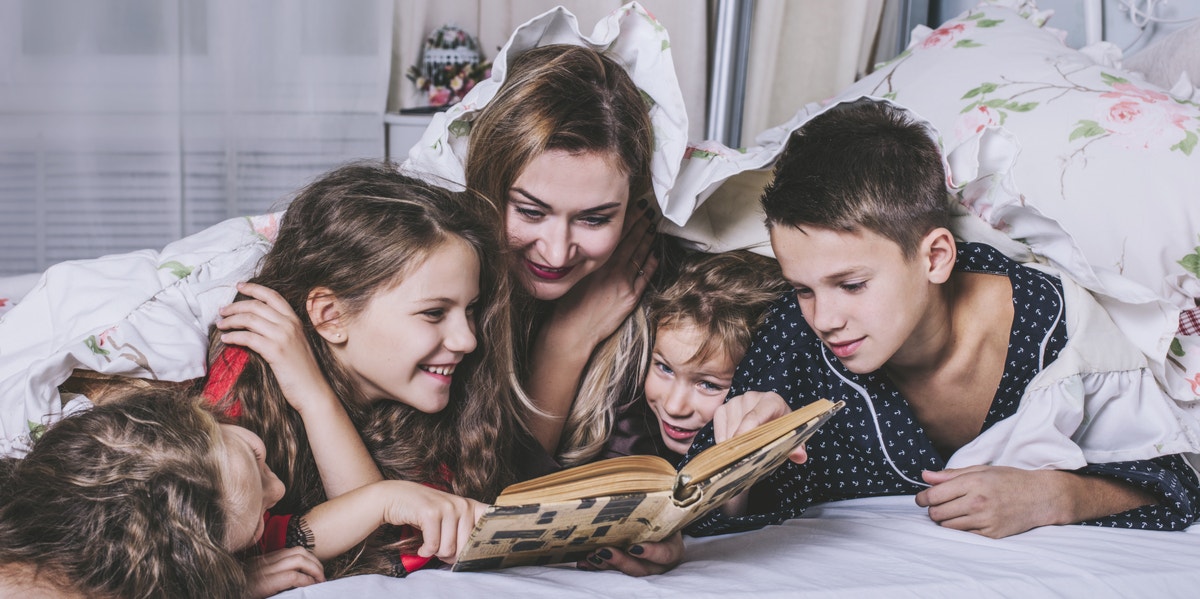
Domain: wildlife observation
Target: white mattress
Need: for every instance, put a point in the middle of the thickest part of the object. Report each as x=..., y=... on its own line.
x=874, y=547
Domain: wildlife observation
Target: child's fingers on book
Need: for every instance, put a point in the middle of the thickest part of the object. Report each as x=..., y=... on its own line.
x=800, y=454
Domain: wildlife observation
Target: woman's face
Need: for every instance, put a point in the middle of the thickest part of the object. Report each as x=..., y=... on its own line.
x=251, y=488
x=564, y=216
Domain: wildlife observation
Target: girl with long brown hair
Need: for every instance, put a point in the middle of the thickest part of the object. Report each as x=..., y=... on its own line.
x=374, y=344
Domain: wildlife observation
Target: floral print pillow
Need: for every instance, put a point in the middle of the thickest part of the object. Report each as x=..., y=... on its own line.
x=1091, y=166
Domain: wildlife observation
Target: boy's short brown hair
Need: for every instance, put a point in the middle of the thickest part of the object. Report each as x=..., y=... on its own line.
x=862, y=164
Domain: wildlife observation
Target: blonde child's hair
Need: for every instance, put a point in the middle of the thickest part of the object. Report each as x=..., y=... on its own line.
x=724, y=295
x=124, y=500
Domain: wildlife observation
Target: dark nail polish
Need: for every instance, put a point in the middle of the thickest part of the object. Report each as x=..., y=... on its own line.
x=604, y=554
x=653, y=228
x=643, y=203
x=595, y=559
x=637, y=550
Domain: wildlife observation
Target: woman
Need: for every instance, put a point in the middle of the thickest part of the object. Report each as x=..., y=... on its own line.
x=570, y=181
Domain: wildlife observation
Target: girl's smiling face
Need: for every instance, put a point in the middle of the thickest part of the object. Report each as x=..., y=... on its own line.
x=683, y=392
x=407, y=342
x=564, y=216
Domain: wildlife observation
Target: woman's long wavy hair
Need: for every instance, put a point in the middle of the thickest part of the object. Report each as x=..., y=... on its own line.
x=572, y=99
x=124, y=500
x=357, y=231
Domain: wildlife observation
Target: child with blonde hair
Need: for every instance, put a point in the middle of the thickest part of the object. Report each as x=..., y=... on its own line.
x=703, y=322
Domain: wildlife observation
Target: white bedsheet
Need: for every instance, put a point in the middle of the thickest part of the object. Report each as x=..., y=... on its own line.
x=873, y=547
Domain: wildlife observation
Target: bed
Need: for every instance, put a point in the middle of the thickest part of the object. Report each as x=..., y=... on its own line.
x=872, y=547
x=1062, y=155
x=1055, y=154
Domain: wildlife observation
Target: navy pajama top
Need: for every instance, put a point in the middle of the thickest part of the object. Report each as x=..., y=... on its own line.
x=876, y=447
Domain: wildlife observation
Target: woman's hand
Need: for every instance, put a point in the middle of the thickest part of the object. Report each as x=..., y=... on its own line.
x=642, y=559
x=267, y=325
x=597, y=305
x=281, y=570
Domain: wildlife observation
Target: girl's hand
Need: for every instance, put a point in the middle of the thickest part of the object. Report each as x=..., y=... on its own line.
x=281, y=570
x=267, y=325
x=597, y=305
x=445, y=519
x=639, y=560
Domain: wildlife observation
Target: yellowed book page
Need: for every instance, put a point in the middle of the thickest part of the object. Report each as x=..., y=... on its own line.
x=721, y=455
x=626, y=474
x=566, y=531
x=707, y=494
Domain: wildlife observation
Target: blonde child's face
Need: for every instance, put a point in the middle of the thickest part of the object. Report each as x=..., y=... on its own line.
x=682, y=392
x=564, y=217
x=858, y=292
x=407, y=342
x=251, y=488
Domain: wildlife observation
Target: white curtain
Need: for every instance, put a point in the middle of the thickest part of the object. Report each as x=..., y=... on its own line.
x=803, y=51
x=126, y=124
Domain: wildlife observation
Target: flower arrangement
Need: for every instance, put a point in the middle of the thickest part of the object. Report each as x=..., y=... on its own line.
x=451, y=65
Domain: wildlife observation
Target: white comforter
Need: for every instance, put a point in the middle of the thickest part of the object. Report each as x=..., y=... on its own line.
x=143, y=314
x=874, y=547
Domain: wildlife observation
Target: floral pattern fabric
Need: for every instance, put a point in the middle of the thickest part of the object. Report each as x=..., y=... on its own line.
x=142, y=314
x=1085, y=164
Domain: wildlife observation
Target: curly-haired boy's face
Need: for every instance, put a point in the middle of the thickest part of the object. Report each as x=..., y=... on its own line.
x=684, y=393
x=858, y=292
x=564, y=216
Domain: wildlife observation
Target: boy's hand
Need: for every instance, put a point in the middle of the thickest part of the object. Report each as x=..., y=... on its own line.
x=281, y=570
x=639, y=560
x=445, y=519
x=994, y=501
x=998, y=501
x=745, y=412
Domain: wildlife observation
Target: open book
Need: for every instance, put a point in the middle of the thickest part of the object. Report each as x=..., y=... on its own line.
x=562, y=517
